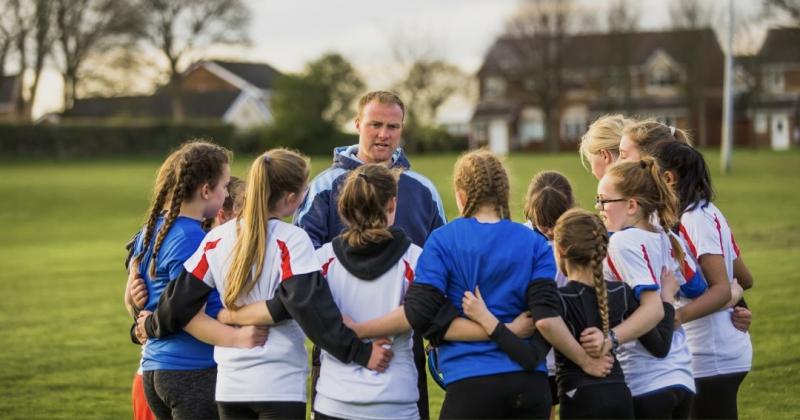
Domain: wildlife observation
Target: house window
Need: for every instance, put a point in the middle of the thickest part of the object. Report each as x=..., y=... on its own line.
x=774, y=81
x=531, y=126
x=761, y=124
x=573, y=122
x=494, y=87
x=662, y=77
x=529, y=84
x=662, y=71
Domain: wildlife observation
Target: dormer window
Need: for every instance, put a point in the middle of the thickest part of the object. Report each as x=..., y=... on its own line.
x=494, y=87
x=774, y=80
x=662, y=72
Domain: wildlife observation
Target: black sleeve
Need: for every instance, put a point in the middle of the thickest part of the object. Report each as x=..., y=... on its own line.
x=129, y=247
x=528, y=355
x=429, y=312
x=742, y=304
x=658, y=341
x=179, y=303
x=308, y=299
x=543, y=299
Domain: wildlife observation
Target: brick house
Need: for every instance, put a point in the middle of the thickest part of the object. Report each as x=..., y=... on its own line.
x=673, y=76
x=771, y=102
x=235, y=93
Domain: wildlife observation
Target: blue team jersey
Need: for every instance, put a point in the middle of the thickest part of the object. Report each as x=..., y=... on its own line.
x=179, y=351
x=502, y=258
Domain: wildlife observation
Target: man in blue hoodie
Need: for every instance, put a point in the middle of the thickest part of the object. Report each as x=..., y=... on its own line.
x=419, y=208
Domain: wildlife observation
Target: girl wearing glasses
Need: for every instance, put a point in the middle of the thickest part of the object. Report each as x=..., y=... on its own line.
x=722, y=350
x=627, y=196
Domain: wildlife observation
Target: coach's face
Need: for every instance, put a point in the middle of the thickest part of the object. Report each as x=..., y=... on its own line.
x=379, y=127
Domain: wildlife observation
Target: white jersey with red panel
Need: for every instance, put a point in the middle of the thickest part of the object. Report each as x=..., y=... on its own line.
x=636, y=257
x=348, y=390
x=718, y=348
x=276, y=371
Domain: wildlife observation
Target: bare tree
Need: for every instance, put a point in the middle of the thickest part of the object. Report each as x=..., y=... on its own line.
x=426, y=87
x=35, y=19
x=623, y=23
x=791, y=8
x=85, y=26
x=540, y=31
x=178, y=27
x=8, y=34
x=691, y=14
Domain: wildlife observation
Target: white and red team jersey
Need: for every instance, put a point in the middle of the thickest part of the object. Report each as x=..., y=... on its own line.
x=636, y=257
x=718, y=348
x=276, y=371
x=348, y=390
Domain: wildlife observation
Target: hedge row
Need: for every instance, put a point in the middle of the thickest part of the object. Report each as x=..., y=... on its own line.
x=84, y=140
x=66, y=141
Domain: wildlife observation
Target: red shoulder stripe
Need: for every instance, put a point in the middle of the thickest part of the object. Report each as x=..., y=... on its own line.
x=649, y=266
x=613, y=268
x=286, y=261
x=688, y=240
x=201, y=269
x=325, y=267
x=409, y=273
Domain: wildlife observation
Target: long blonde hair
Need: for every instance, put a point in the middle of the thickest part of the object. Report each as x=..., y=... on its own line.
x=583, y=240
x=272, y=175
x=604, y=133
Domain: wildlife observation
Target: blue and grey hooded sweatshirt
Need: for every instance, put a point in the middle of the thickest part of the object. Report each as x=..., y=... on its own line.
x=419, y=207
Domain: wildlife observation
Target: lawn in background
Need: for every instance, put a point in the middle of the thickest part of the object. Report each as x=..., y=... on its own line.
x=63, y=331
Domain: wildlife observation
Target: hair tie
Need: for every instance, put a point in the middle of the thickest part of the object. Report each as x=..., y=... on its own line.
x=672, y=131
x=267, y=159
x=364, y=176
x=643, y=164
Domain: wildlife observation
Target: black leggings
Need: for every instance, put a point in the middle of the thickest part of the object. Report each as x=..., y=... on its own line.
x=668, y=403
x=181, y=394
x=262, y=410
x=507, y=395
x=601, y=401
x=716, y=396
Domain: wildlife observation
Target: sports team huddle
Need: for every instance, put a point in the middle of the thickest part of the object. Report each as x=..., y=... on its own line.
x=635, y=310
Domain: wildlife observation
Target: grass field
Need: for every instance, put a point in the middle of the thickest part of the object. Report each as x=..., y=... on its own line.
x=63, y=331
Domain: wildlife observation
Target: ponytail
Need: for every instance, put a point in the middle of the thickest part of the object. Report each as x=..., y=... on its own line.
x=362, y=204
x=272, y=175
x=644, y=182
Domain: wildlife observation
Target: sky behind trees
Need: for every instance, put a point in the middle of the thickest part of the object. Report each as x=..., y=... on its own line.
x=373, y=35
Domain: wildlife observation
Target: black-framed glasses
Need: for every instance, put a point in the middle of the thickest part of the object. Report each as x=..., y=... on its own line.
x=600, y=202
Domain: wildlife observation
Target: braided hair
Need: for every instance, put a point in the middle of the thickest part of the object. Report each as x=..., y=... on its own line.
x=482, y=177
x=199, y=163
x=582, y=239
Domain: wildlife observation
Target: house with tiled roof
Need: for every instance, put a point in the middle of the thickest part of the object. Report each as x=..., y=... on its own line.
x=674, y=76
x=236, y=93
x=774, y=102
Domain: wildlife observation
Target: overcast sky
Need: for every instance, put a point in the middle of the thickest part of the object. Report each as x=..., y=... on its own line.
x=287, y=34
